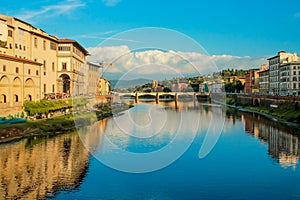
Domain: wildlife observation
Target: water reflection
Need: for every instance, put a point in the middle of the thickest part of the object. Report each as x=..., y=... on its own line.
x=283, y=146
x=37, y=168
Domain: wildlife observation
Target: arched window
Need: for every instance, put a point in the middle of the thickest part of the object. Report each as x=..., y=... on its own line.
x=3, y=98
x=29, y=97
x=16, y=98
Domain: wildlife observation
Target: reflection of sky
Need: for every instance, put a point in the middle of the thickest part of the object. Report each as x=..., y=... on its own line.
x=141, y=131
x=238, y=167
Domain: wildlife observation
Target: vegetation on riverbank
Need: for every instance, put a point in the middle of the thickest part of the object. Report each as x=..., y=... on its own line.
x=45, y=106
x=57, y=125
x=285, y=113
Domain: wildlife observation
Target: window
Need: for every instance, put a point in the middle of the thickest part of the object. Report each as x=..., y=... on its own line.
x=35, y=42
x=4, y=68
x=64, y=66
x=17, y=70
x=44, y=67
x=295, y=72
x=35, y=60
x=24, y=48
x=37, y=72
x=10, y=45
x=9, y=33
x=294, y=86
x=53, y=87
x=20, y=47
x=3, y=98
x=64, y=48
x=44, y=44
x=294, y=78
x=52, y=46
x=16, y=98
x=53, y=66
x=16, y=46
x=45, y=88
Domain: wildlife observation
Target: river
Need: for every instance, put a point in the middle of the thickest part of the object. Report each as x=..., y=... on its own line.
x=193, y=151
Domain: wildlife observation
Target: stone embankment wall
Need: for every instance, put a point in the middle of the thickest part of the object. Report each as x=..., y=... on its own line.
x=291, y=103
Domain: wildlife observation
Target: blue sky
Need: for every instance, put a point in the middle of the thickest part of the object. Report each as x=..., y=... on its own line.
x=255, y=29
x=243, y=28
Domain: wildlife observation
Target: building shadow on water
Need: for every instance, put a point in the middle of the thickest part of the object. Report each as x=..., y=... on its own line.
x=283, y=141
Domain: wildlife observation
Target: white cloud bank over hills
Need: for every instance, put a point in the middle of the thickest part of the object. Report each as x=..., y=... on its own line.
x=153, y=63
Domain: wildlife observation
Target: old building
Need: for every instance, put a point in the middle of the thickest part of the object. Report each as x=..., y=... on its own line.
x=20, y=81
x=103, y=86
x=264, y=82
x=275, y=62
x=71, y=67
x=290, y=79
x=93, y=77
x=34, y=64
x=25, y=41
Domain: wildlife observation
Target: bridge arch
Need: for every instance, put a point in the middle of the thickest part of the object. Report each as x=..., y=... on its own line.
x=256, y=102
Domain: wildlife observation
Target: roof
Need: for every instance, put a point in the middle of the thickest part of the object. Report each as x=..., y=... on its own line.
x=273, y=57
x=263, y=71
x=19, y=59
x=74, y=42
x=94, y=64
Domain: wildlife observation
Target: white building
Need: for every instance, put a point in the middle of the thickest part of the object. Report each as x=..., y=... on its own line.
x=274, y=64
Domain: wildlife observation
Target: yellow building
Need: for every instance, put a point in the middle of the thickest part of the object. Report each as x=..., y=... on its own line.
x=19, y=81
x=22, y=40
x=71, y=67
x=103, y=86
x=30, y=56
x=93, y=77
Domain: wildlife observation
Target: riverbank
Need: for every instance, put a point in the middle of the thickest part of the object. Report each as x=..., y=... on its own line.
x=56, y=125
x=285, y=116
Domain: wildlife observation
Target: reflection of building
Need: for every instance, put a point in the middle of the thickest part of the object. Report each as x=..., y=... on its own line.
x=103, y=86
x=33, y=172
x=282, y=146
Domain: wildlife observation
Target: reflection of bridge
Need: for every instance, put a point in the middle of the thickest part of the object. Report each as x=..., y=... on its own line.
x=175, y=96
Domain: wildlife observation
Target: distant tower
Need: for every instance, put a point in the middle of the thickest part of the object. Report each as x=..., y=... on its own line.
x=154, y=84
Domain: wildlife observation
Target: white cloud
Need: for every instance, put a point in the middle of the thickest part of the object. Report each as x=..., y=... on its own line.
x=52, y=10
x=158, y=62
x=111, y=3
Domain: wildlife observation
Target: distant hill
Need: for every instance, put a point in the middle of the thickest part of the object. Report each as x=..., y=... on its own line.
x=128, y=83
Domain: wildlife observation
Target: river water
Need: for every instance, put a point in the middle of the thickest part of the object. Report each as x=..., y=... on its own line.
x=193, y=151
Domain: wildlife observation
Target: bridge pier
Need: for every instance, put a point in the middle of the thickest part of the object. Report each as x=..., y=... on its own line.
x=136, y=99
x=157, y=98
x=176, y=101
